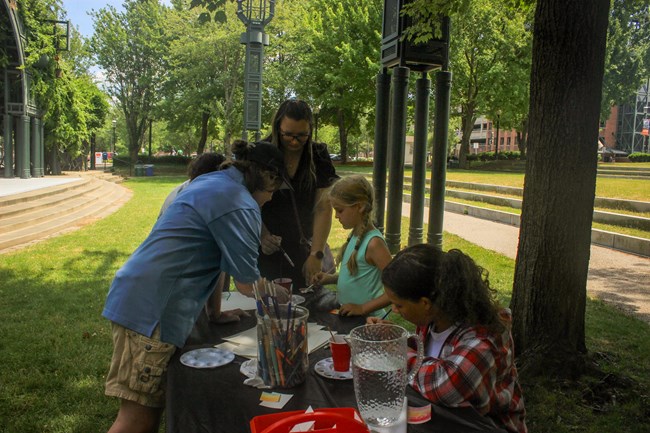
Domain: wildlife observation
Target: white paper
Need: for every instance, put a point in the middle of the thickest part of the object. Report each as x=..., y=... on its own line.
x=234, y=300
x=245, y=343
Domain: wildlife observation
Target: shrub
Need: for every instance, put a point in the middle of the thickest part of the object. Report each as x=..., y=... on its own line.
x=639, y=157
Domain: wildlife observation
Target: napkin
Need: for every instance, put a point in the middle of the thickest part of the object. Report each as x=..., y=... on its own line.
x=249, y=369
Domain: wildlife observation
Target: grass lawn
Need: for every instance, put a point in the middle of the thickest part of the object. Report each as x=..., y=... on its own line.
x=55, y=346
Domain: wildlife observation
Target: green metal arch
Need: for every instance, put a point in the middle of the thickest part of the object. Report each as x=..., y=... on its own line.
x=22, y=127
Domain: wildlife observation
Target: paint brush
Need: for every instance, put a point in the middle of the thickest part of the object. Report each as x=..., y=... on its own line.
x=286, y=256
x=311, y=286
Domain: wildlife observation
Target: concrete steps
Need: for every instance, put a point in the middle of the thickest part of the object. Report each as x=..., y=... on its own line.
x=35, y=215
x=631, y=244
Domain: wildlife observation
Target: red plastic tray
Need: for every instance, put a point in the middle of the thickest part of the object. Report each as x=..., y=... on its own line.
x=325, y=419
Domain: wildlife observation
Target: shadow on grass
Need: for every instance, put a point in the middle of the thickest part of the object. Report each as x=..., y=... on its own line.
x=55, y=345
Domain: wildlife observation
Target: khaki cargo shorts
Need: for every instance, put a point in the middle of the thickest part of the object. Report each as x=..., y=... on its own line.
x=139, y=367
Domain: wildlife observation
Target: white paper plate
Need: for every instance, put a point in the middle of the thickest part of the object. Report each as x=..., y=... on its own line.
x=297, y=299
x=208, y=357
x=325, y=368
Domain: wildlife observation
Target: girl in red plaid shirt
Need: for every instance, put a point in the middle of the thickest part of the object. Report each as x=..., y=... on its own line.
x=468, y=346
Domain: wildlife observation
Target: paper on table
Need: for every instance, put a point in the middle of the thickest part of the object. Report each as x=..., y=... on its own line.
x=234, y=300
x=284, y=398
x=245, y=343
x=239, y=349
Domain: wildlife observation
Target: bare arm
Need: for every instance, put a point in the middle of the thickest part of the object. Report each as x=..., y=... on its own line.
x=321, y=230
x=378, y=255
x=246, y=289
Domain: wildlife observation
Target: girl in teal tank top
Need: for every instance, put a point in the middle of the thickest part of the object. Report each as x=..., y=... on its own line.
x=363, y=256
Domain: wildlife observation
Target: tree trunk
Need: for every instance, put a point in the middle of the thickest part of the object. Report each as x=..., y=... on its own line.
x=204, y=133
x=467, y=125
x=549, y=293
x=343, y=135
x=55, y=163
x=522, y=138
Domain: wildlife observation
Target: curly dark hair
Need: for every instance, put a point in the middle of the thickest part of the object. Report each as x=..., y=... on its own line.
x=205, y=163
x=451, y=280
x=296, y=109
x=257, y=177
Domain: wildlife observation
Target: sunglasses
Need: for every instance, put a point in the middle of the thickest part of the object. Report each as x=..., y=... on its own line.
x=298, y=137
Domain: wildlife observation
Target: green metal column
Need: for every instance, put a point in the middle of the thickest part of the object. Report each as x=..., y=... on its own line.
x=8, y=146
x=40, y=169
x=33, y=147
x=439, y=164
x=418, y=180
x=397, y=143
x=255, y=15
x=380, y=150
x=22, y=146
x=8, y=131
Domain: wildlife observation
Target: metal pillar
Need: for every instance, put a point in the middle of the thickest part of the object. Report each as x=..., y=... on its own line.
x=22, y=146
x=33, y=147
x=40, y=146
x=418, y=180
x=41, y=134
x=381, y=146
x=150, y=127
x=8, y=131
x=439, y=163
x=8, y=146
x=93, y=139
x=396, y=164
x=255, y=18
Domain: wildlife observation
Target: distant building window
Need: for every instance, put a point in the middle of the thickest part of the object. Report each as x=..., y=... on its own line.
x=508, y=141
x=477, y=127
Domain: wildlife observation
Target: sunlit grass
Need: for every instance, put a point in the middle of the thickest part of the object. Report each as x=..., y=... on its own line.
x=55, y=346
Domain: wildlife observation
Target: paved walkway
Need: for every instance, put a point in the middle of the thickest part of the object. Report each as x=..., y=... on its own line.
x=17, y=185
x=618, y=278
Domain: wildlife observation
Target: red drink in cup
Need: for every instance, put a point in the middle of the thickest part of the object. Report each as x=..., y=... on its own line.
x=284, y=282
x=340, y=353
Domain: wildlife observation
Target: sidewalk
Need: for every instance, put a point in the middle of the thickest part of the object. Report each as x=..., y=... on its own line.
x=618, y=278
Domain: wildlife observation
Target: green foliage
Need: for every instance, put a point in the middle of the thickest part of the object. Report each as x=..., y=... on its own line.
x=340, y=51
x=639, y=157
x=490, y=59
x=130, y=46
x=211, y=10
x=203, y=90
x=73, y=107
x=627, y=62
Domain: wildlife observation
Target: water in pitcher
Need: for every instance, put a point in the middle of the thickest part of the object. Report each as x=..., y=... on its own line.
x=379, y=387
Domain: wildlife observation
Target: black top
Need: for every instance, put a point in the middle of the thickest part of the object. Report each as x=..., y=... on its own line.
x=280, y=219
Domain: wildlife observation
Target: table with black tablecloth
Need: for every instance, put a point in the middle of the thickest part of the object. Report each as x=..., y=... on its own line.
x=217, y=401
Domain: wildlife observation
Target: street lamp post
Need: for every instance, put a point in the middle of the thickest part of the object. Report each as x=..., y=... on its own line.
x=646, y=126
x=114, y=126
x=150, y=126
x=496, y=145
x=255, y=15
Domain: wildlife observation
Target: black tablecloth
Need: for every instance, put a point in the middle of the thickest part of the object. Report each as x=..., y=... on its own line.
x=217, y=401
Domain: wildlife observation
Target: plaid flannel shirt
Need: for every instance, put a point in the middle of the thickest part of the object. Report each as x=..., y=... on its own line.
x=475, y=369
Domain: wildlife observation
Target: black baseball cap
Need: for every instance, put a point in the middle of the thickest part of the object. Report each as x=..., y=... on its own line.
x=269, y=156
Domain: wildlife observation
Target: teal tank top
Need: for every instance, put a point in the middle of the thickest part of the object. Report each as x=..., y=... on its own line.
x=366, y=284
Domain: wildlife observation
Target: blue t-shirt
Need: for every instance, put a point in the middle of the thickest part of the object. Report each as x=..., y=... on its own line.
x=366, y=284
x=213, y=226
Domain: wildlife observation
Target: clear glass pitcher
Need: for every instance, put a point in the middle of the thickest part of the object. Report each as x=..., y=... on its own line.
x=379, y=354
